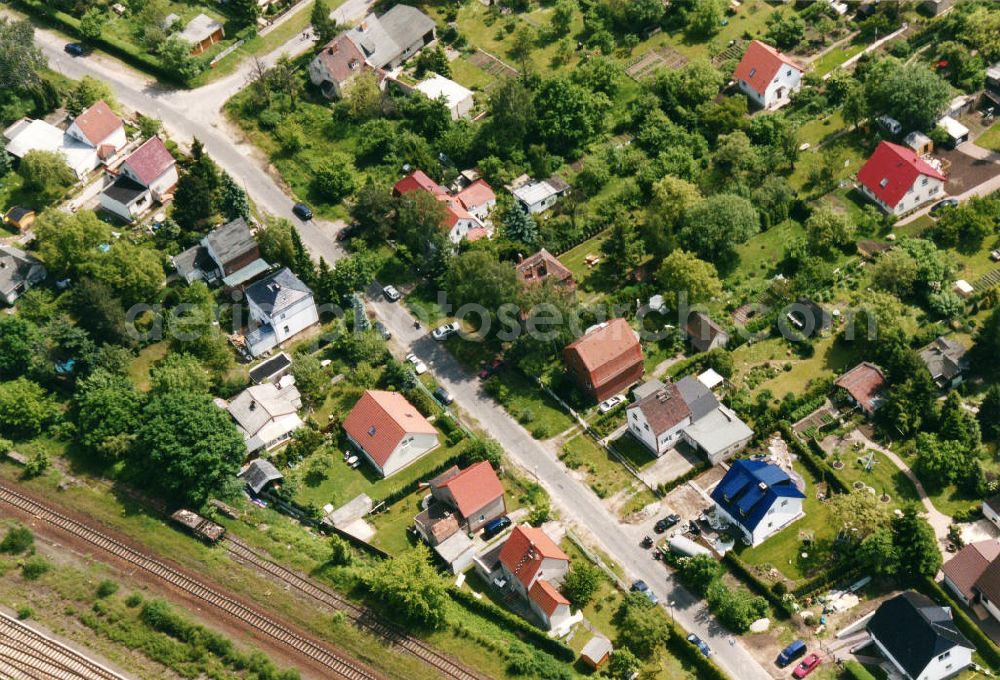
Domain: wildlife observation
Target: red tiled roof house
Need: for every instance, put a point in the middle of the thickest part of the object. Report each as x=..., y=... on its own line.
x=152, y=166
x=898, y=180
x=479, y=199
x=767, y=76
x=99, y=127
x=336, y=66
x=606, y=360
x=963, y=571
x=863, y=386
x=459, y=221
x=544, y=265
x=473, y=496
x=535, y=566
x=389, y=431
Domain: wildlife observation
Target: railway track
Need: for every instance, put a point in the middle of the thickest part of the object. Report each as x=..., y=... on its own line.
x=362, y=617
x=26, y=653
x=338, y=664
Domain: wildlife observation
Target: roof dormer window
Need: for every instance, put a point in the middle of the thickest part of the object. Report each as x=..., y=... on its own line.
x=753, y=72
x=884, y=183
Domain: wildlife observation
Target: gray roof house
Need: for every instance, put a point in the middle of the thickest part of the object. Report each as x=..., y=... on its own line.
x=228, y=253
x=946, y=361
x=389, y=40
x=663, y=415
x=704, y=333
x=18, y=272
x=267, y=414
x=259, y=474
x=280, y=307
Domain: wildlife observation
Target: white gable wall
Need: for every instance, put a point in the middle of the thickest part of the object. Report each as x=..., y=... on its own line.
x=410, y=449
x=638, y=426
x=788, y=80
x=782, y=513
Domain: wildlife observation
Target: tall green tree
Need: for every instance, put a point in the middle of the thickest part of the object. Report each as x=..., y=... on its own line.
x=323, y=23
x=187, y=447
x=642, y=628
x=67, y=241
x=92, y=24
x=410, y=587
x=45, y=174
x=911, y=93
x=108, y=409
x=718, y=224
x=19, y=342
x=989, y=414
x=916, y=544
x=623, y=250
x=25, y=409
x=682, y=273
x=21, y=60
x=478, y=277
x=233, y=201
x=581, y=583
x=568, y=115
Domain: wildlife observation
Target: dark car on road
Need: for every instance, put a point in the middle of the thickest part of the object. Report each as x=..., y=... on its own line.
x=346, y=233
x=941, y=206
x=700, y=644
x=74, y=49
x=666, y=523
x=302, y=211
x=443, y=396
x=643, y=587
x=382, y=330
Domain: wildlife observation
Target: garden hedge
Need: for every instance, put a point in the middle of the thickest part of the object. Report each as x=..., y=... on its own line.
x=855, y=671
x=515, y=624
x=401, y=492
x=684, y=650
x=984, y=645
x=819, y=467
x=745, y=573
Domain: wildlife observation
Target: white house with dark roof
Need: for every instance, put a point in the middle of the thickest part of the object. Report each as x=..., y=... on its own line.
x=228, y=254
x=281, y=306
x=126, y=198
x=919, y=638
x=946, y=361
x=18, y=272
x=663, y=415
x=259, y=474
x=758, y=498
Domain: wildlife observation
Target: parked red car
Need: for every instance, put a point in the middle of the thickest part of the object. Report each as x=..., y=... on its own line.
x=491, y=369
x=807, y=666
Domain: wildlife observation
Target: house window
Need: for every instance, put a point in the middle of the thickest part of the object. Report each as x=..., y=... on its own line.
x=286, y=329
x=934, y=190
x=770, y=524
x=944, y=656
x=645, y=426
x=923, y=182
x=635, y=415
x=784, y=502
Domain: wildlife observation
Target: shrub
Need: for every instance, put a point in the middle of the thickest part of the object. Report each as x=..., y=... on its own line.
x=133, y=600
x=106, y=589
x=24, y=613
x=34, y=567
x=17, y=540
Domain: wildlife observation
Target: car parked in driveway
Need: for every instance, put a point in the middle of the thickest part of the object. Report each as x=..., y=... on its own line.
x=442, y=333
x=666, y=523
x=807, y=666
x=941, y=206
x=611, y=402
x=391, y=294
x=382, y=330
x=444, y=396
x=419, y=367
x=302, y=211
x=700, y=644
x=495, y=527
x=643, y=587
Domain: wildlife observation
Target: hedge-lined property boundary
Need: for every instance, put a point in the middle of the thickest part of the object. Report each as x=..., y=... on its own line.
x=682, y=649
x=745, y=573
x=856, y=671
x=401, y=492
x=819, y=467
x=514, y=624
x=984, y=645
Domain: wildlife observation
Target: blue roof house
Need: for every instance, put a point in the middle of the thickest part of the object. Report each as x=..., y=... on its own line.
x=758, y=498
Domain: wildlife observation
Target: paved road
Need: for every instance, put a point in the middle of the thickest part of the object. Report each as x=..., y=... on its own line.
x=197, y=113
x=577, y=502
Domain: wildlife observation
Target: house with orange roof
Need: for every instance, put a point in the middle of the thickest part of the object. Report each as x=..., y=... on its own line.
x=607, y=360
x=898, y=180
x=336, y=65
x=767, y=76
x=534, y=567
x=389, y=431
x=541, y=266
x=475, y=494
x=465, y=212
x=99, y=127
x=863, y=386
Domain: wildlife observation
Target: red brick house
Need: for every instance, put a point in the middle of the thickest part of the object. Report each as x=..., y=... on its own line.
x=607, y=360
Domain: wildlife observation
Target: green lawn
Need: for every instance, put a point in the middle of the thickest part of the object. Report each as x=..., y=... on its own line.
x=605, y=475
x=845, y=154
x=784, y=550
x=835, y=57
x=588, y=279
x=830, y=359
x=991, y=138
x=634, y=451
x=818, y=129
x=539, y=413
x=149, y=355
x=884, y=476
x=760, y=255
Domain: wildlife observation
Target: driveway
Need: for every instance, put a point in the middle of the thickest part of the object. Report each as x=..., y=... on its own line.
x=975, y=171
x=576, y=502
